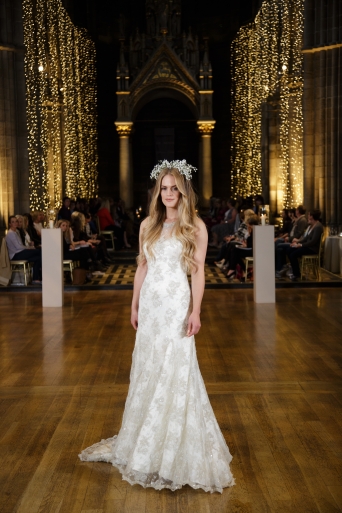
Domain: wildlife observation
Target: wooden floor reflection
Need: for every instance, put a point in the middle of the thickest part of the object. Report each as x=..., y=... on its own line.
x=274, y=375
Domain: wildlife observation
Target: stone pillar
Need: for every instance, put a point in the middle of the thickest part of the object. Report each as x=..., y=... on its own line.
x=14, y=168
x=124, y=130
x=322, y=109
x=206, y=180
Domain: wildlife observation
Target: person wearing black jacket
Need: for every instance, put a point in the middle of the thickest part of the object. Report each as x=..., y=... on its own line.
x=32, y=231
x=239, y=253
x=308, y=245
x=295, y=235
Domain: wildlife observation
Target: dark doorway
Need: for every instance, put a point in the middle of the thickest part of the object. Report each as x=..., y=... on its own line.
x=163, y=129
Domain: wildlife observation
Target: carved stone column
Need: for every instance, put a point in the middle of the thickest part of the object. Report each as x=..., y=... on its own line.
x=14, y=166
x=124, y=130
x=206, y=180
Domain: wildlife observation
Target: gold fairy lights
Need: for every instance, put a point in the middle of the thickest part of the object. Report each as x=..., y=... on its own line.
x=61, y=101
x=267, y=65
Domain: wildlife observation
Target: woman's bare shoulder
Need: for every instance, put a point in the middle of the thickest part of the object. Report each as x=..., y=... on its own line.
x=200, y=225
x=145, y=222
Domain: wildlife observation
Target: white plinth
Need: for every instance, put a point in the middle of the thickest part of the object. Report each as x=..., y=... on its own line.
x=52, y=260
x=263, y=264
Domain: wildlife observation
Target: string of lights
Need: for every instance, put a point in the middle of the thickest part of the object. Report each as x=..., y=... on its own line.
x=266, y=62
x=61, y=100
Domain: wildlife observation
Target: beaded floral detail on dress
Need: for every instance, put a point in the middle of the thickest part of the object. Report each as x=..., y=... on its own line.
x=169, y=435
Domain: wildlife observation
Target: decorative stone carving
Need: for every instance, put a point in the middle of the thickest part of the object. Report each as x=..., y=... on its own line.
x=124, y=130
x=206, y=128
x=164, y=59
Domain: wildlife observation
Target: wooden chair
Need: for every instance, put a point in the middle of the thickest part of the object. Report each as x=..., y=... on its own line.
x=248, y=264
x=108, y=234
x=311, y=262
x=18, y=266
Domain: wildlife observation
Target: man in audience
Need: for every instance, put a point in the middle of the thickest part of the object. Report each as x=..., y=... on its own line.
x=296, y=233
x=17, y=250
x=64, y=212
x=308, y=245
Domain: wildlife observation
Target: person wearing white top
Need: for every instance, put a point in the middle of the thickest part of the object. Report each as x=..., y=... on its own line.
x=18, y=251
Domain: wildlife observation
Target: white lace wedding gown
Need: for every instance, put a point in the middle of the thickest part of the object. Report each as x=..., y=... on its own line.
x=169, y=435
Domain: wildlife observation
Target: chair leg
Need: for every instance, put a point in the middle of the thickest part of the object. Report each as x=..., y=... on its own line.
x=25, y=275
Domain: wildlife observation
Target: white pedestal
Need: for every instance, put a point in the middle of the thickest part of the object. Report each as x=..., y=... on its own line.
x=263, y=264
x=52, y=260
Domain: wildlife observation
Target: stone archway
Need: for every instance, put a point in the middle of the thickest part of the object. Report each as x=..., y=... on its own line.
x=164, y=128
x=164, y=63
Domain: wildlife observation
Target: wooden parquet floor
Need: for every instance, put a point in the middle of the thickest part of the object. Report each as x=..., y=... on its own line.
x=273, y=372
x=122, y=275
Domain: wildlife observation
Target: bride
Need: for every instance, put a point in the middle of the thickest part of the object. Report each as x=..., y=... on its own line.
x=169, y=435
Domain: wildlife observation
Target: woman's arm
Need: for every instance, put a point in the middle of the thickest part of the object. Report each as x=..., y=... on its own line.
x=138, y=281
x=197, y=279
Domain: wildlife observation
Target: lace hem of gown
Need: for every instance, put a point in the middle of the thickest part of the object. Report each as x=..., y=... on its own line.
x=133, y=477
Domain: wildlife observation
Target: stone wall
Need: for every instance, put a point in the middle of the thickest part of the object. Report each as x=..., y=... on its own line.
x=323, y=108
x=14, y=176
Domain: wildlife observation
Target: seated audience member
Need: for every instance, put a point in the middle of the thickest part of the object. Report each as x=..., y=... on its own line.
x=118, y=221
x=70, y=250
x=18, y=251
x=79, y=237
x=288, y=221
x=22, y=229
x=108, y=223
x=307, y=245
x=239, y=253
x=210, y=219
x=296, y=233
x=32, y=231
x=91, y=231
x=258, y=203
x=226, y=227
x=64, y=211
x=234, y=240
x=37, y=223
x=123, y=217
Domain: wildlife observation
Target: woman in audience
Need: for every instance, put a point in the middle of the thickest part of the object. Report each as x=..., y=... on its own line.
x=90, y=229
x=239, y=253
x=107, y=223
x=80, y=238
x=70, y=250
x=211, y=218
x=18, y=251
x=288, y=216
x=32, y=231
x=22, y=229
x=38, y=218
x=234, y=240
x=226, y=227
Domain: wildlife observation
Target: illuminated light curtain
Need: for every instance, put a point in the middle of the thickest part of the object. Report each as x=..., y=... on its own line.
x=266, y=62
x=60, y=71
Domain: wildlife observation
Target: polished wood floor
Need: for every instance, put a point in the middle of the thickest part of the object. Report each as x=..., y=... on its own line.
x=274, y=375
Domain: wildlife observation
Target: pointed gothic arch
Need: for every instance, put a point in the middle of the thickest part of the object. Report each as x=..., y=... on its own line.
x=164, y=63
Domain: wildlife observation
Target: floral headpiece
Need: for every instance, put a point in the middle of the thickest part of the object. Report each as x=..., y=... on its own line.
x=182, y=166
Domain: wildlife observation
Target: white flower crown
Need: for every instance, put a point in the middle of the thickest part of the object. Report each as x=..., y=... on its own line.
x=182, y=166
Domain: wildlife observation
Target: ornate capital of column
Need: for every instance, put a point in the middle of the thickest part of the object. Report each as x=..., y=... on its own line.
x=206, y=127
x=124, y=129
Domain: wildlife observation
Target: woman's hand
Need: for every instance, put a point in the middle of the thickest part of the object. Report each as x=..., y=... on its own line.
x=134, y=318
x=194, y=324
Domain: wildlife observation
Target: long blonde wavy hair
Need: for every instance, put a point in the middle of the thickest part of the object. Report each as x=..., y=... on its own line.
x=185, y=227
